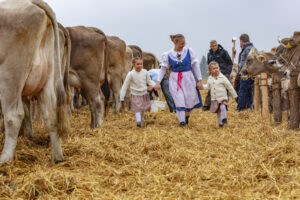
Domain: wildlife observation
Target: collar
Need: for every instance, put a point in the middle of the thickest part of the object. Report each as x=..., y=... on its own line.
x=173, y=53
x=219, y=76
x=247, y=45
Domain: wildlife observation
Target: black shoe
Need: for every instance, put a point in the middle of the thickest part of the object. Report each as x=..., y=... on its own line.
x=139, y=124
x=220, y=125
x=205, y=108
x=224, y=121
x=187, y=119
x=182, y=124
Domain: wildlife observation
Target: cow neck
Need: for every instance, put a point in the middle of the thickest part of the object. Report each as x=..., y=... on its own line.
x=288, y=62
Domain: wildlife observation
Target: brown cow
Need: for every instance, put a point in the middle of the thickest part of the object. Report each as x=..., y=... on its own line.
x=116, y=67
x=30, y=66
x=150, y=61
x=89, y=61
x=136, y=50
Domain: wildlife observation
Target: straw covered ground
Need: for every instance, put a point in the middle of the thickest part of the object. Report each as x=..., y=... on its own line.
x=248, y=159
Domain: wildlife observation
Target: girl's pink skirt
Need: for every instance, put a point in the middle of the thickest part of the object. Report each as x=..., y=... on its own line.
x=140, y=103
x=215, y=105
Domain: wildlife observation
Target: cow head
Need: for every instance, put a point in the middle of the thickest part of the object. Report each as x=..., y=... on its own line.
x=287, y=57
x=256, y=63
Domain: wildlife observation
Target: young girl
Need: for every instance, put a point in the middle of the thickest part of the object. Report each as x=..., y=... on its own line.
x=218, y=85
x=137, y=80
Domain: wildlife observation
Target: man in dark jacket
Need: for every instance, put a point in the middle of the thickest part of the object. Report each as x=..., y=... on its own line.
x=244, y=87
x=218, y=54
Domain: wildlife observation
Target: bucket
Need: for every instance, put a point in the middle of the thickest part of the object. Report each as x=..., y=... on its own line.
x=158, y=106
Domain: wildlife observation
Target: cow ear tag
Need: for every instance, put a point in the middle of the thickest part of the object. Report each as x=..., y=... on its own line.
x=289, y=45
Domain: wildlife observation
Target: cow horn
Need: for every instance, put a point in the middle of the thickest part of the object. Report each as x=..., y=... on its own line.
x=279, y=39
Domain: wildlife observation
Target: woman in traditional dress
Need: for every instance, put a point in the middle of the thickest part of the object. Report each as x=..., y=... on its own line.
x=185, y=78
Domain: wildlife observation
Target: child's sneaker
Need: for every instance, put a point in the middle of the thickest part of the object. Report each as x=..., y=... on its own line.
x=221, y=125
x=224, y=121
x=139, y=124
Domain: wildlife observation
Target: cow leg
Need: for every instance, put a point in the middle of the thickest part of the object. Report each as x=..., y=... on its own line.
x=93, y=114
x=76, y=98
x=113, y=105
x=95, y=102
x=72, y=97
x=2, y=119
x=13, y=115
x=34, y=110
x=116, y=87
x=83, y=98
x=127, y=101
x=117, y=101
x=103, y=111
x=27, y=119
x=48, y=107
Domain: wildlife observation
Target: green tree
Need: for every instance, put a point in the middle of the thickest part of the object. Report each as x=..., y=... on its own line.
x=204, y=67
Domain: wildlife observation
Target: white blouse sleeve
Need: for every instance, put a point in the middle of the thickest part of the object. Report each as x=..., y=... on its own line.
x=165, y=60
x=164, y=65
x=195, y=65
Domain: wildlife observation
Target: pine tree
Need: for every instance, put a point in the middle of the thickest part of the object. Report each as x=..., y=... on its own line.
x=204, y=67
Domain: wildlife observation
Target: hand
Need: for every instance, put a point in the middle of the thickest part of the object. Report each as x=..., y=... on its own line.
x=199, y=85
x=149, y=89
x=157, y=86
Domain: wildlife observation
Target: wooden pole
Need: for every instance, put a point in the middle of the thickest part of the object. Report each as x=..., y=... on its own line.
x=277, y=111
x=294, y=101
x=265, y=103
x=256, y=94
x=233, y=74
x=233, y=50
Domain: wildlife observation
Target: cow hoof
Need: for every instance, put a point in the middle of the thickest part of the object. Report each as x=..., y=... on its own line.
x=30, y=137
x=59, y=161
x=5, y=159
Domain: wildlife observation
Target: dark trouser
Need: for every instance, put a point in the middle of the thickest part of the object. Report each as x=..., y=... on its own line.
x=165, y=89
x=207, y=101
x=237, y=83
x=245, y=94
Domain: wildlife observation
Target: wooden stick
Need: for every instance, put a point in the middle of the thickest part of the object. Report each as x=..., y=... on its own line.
x=294, y=101
x=277, y=111
x=256, y=94
x=233, y=52
x=265, y=104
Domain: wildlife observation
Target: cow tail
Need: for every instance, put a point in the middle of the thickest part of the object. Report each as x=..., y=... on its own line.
x=66, y=74
x=105, y=87
x=60, y=93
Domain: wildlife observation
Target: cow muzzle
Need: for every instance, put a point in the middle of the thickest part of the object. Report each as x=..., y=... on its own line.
x=287, y=73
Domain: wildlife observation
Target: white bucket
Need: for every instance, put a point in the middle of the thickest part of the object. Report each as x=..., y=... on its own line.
x=158, y=106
